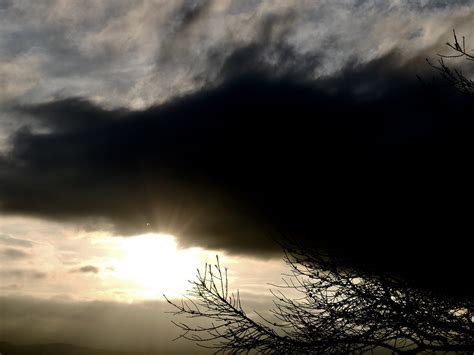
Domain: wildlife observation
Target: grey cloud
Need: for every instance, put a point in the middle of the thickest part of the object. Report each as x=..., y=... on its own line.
x=26, y=274
x=270, y=51
x=10, y=241
x=324, y=37
x=11, y=253
x=88, y=269
x=58, y=43
x=176, y=29
x=188, y=13
x=138, y=53
x=4, y=5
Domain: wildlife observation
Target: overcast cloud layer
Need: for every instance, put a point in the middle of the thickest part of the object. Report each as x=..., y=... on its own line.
x=221, y=122
x=138, y=327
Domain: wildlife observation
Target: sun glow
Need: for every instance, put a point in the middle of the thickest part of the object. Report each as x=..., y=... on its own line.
x=154, y=264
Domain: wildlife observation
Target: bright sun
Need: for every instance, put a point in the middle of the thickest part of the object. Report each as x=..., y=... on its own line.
x=154, y=264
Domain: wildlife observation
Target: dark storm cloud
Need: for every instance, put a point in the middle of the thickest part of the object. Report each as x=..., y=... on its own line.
x=10, y=241
x=363, y=159
x=88, y=269
x=11, y=253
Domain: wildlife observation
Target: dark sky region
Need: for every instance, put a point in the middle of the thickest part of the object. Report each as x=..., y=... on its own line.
x=224, y=124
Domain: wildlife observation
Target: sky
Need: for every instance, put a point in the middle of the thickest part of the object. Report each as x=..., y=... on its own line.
x=138, y=139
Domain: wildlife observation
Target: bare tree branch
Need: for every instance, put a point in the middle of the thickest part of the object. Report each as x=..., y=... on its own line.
x=455, y=77
x=340, y=310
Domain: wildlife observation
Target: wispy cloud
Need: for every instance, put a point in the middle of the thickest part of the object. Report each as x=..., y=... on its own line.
x=25, y=274
x=88, y=269
x=11, y=253
x=15, y=242
x=138, y=53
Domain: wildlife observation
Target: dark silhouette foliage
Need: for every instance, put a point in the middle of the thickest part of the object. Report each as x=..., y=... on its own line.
x=334, y=309
x=328, y=305
x=455, y=77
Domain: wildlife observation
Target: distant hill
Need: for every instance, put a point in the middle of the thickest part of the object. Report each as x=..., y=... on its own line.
x=62, y=349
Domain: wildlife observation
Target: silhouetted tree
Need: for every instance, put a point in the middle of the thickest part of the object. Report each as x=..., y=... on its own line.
x=335, y=310
x=326, y=307
x=455, y=77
